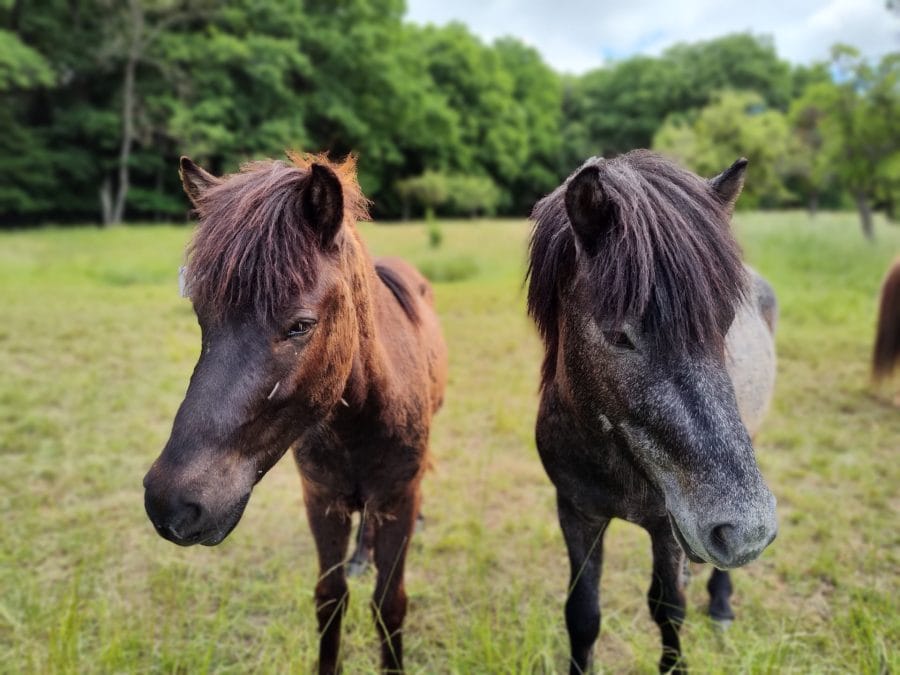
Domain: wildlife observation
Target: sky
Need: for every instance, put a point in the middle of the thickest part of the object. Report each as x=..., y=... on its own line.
x=577, y=35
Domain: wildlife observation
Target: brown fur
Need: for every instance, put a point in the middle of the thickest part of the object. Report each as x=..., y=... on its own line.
x=354, y=396
x=252, y=246
x=886, y=352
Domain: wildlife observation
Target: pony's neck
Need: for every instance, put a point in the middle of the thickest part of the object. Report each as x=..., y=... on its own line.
x=368, y=380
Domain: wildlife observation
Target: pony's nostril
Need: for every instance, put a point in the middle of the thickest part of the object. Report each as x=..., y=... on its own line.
x=719, y=539
x=192, y=512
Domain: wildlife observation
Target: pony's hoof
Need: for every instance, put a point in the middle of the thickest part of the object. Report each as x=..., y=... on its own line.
x=722, y=621
x=356, y=568
x=721, y=624
x=720, y=612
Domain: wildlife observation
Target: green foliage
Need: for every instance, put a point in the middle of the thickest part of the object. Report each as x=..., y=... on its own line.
x=429, y=190
x=440, y=119
x=735, y=124
x=849, y=131
x=462, y=194
x=621, y=107
x=473, y=195
x=21, y=67
x=435, y=235
x=447, y=269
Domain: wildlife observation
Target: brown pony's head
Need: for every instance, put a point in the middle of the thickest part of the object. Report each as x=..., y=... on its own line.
x=267, y=272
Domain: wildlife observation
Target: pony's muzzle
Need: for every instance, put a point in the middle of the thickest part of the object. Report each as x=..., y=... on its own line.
x=737, y=541
x=180, y=521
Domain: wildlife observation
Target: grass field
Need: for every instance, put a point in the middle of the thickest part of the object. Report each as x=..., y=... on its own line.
x=95, y=352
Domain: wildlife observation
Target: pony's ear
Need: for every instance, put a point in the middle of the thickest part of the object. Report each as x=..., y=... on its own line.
x=728, y=184
x=195, y=179
x=322, y=203
x=589, y=211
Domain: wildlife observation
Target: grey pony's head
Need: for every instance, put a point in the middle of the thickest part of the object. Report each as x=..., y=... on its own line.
x=654, y=280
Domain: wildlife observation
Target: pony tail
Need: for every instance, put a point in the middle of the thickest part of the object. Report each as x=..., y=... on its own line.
x=886, y=354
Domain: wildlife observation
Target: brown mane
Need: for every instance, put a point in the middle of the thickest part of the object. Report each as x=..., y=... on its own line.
x=670, y=258
x=252, y=249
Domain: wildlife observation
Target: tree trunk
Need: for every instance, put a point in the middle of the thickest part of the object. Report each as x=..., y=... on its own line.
x=128, y=95
x=865, y=214
x=127, y=139
x=15, y=15
x=813, y=204
x=106, y=201
x=158, y=189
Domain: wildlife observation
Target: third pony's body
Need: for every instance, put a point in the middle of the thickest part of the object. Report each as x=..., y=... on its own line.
x=658, y=351
x=886, y=353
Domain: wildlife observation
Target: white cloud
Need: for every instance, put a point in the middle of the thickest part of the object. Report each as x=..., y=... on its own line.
x=577, y=35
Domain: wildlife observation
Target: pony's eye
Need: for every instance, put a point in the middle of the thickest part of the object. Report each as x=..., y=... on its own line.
x=300, y=328
x=618, y=339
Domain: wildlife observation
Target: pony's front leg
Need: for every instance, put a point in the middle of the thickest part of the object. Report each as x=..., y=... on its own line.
x=584, y=542
x=331, y=531
x=392, y=536
x=666, y=596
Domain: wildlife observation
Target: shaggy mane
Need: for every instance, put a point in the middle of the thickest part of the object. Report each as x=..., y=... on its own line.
x=252, y=248
x=669, y=258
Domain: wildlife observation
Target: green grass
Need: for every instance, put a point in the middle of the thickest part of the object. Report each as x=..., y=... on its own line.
x=95, y=352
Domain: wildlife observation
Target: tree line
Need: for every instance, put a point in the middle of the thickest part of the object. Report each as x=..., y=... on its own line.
x=98, y=98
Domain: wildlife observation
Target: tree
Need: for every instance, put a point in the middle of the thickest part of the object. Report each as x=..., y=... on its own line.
x=857, y=118
x=812, y=170
x=621, y=107
x=735, y=124
x=473, y=195
x=429, y=190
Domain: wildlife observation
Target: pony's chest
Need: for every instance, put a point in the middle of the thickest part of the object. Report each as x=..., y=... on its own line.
x=595, y=476
x=363, y=468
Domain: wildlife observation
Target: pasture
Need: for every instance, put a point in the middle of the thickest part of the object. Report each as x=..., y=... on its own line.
x=96, y=348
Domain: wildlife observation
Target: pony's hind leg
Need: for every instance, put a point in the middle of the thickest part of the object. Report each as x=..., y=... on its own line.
x=358, y=564
x=584, y=542
x=666, y=597
x=719, y=587
x=392, y=534
x=331, y=531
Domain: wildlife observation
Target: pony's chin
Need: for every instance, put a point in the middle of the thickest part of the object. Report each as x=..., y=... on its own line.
x=230, y=521
x=688, y=551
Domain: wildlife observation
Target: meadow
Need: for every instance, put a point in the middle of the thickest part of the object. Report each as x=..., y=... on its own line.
x=96, y=348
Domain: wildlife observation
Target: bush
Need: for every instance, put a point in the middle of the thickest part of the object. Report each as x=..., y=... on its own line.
x=448, y=270
x=435, y=235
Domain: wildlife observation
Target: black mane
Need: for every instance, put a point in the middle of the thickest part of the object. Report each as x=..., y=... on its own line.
x=399, y=290
x=669, y=257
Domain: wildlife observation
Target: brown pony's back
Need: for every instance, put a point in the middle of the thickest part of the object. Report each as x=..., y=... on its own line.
x=886, y=353
x=413, y=293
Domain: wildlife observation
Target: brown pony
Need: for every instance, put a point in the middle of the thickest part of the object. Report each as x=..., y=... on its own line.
x=309, y=344
x=886, y=354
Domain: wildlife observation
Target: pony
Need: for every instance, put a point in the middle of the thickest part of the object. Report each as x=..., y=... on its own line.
x=658, y=366
x=310, y=344
x=886, y=352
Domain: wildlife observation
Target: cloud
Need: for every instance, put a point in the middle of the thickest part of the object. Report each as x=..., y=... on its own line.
x=577, y=35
